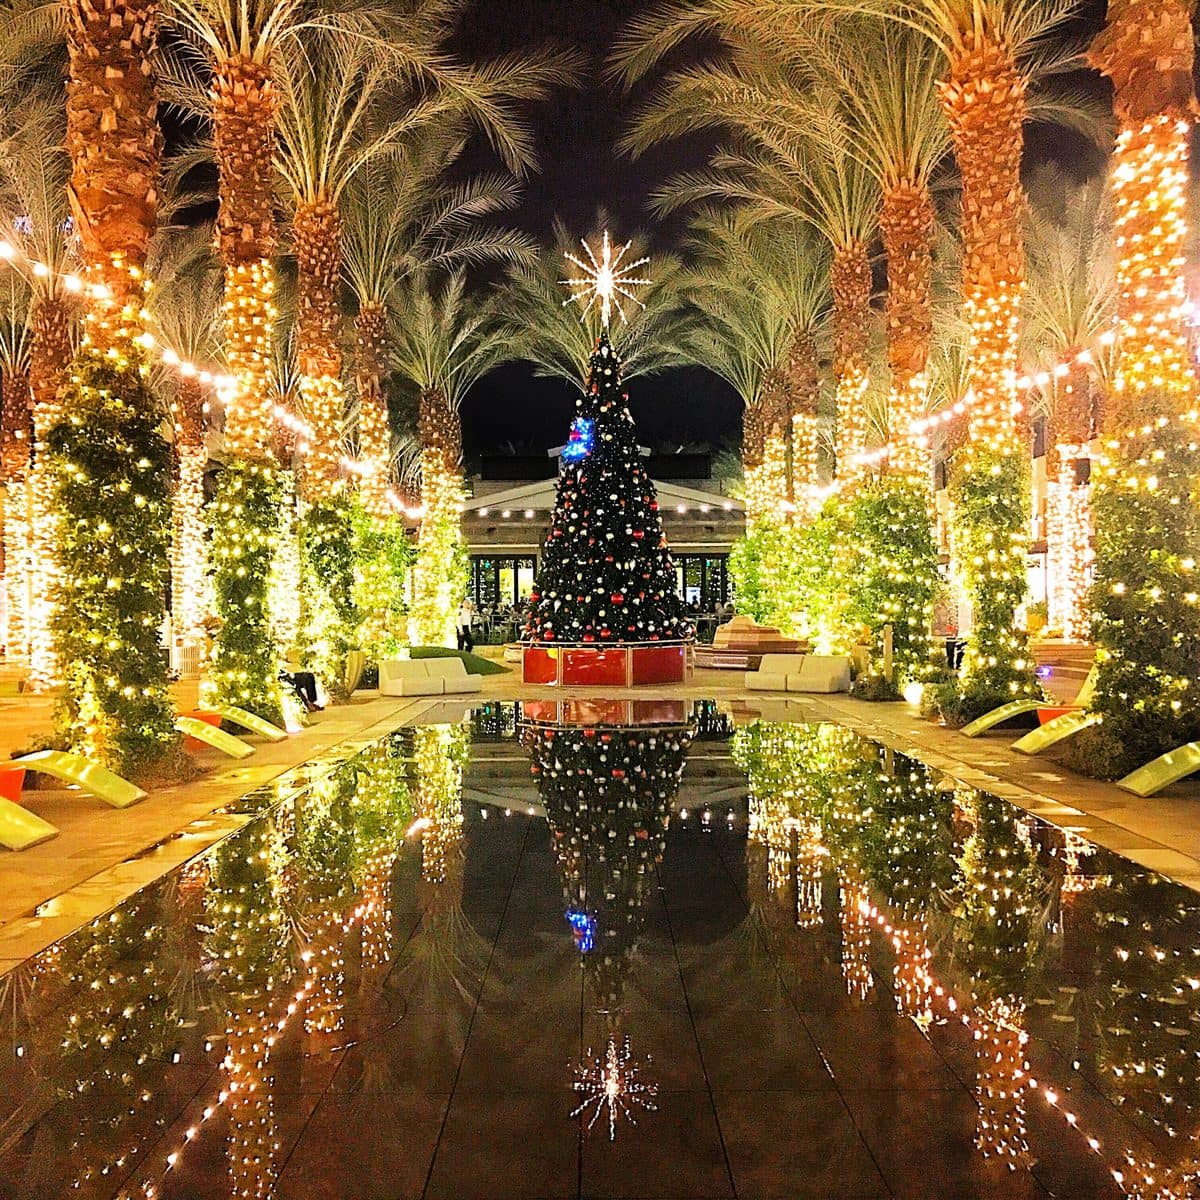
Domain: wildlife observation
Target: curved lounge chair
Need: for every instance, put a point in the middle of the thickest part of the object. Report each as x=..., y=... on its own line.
x=1017, y=708
x=85, y=774
x=248, y=720
x=210, y=735
x=1163, y=771
x=1053, y=732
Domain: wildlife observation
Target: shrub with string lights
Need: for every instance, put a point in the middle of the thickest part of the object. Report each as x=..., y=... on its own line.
x=891, y=575
x=111, y=469
x=762, y=565
x=245, y=514
x=991, y=509
x=383, y=556
x=1145, y=602
x=329, y=622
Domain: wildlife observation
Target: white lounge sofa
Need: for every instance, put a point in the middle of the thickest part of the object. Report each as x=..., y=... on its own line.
x=426, y=677
x=800, y=673
x=773, y=671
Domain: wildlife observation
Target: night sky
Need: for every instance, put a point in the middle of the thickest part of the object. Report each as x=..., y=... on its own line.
x=580, y=173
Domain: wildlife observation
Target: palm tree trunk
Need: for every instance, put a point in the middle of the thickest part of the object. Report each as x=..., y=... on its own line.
x=245, y=104
x=316, y=237
x=16, y=440
x=804, y=390
x=754, y=444
x=1069, y=507
x=189, y=553
x=111, y=603
x=115, y=147
x=374, y=434
x=436, y=582
x=441, y=451
x=49, y=353
x=851, y=276
x=907, y=223
x=1148, y=52
x=985, y=104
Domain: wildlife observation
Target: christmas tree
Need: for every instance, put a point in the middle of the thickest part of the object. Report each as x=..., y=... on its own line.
x=608, y=796
x=606, y=573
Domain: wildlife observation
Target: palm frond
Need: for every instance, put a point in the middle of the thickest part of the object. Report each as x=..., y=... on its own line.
x=443, y=339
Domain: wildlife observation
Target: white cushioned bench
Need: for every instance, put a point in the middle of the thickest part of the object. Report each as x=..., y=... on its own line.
x=800, y=673
x=426, y=677
x=773, y=671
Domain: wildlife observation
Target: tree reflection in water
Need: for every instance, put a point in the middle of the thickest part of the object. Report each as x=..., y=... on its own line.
x=1001, y=924
x=608, y=792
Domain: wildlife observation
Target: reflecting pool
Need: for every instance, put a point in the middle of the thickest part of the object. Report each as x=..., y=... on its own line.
x=617, y=950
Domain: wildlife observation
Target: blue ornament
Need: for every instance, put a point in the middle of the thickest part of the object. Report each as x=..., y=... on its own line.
x=581, y=439
x=584, y=929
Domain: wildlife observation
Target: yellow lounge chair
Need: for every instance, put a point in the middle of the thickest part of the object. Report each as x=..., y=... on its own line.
x=19, y=828
x=247, y=720
x=87, y=775
x=210, y=735
x=1053, y=732
x=1017, y=708
x=1163, y=771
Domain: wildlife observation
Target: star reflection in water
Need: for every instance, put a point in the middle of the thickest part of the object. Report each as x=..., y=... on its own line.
x=613, y=1083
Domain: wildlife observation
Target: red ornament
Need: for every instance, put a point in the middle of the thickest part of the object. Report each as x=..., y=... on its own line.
x=617, y=598
x=617, y=773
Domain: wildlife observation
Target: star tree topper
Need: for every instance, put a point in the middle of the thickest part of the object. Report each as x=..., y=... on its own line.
x=603, y=280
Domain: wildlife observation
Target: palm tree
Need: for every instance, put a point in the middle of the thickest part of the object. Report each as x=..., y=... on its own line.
x=444, y=342
x=1147, y=49
x=399, y=217
x=993, y=51
x=16, y=443
x=1068, y=316
x=745, y=339
x=184, y=313
x=765, y=288
x=559, y=341
x=794, y=160
x=36, y=171
x=328, y=131
x=116, y=706
x=887, y=78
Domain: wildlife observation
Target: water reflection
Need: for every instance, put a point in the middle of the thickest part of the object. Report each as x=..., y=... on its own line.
x=607, y=792
x=976, y=987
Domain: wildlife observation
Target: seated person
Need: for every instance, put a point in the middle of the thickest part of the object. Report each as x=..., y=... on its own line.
x=304, y=684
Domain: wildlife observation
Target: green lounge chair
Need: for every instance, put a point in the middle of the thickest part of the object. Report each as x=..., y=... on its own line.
x=19, y=828
x=1053, y=732
x=247, y=720
x=1164, y=771
x=1017, y=708
x=87, y=775
x=218, y=739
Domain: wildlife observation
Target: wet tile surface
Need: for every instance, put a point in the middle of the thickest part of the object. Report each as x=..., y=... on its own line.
x=840, y=976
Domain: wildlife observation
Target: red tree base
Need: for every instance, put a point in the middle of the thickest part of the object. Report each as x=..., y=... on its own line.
x=643, y=664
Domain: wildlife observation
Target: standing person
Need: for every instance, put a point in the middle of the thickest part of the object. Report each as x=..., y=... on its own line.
x=466, y=614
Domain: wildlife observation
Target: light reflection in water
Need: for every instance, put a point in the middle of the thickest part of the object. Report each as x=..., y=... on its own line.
x=940, y=903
